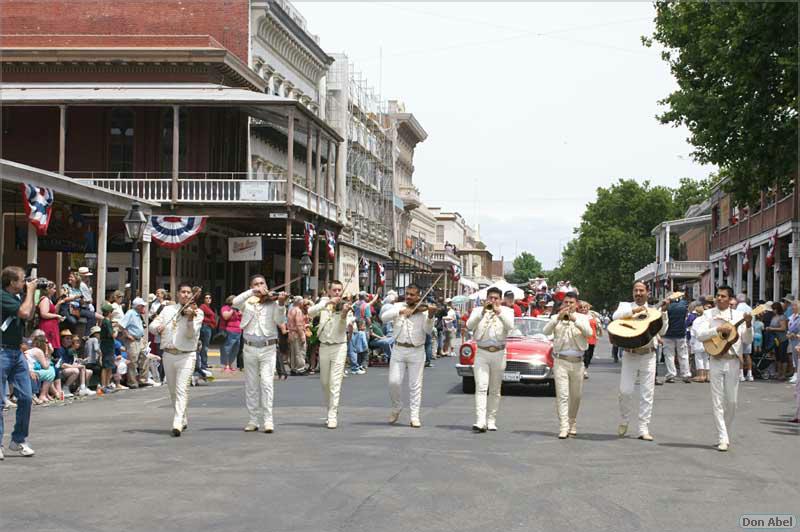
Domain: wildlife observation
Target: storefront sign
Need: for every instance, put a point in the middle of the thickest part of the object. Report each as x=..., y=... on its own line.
x=348, y=268
x=244, y=248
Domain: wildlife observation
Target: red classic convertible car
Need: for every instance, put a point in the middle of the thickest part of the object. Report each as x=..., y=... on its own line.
x=529, y=356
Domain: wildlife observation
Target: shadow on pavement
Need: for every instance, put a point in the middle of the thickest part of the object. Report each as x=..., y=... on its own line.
x=688, y=446
x=597, y=437
x=377, y=423
x=548, y=433
x=463, y=428
x=160, y=432
x=222, y=429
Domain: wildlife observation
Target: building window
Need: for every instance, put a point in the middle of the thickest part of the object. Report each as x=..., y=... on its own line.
x=121, y=140
x=166, y=140
x=440, y=233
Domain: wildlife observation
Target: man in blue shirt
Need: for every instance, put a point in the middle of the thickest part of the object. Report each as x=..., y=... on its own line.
x=675, y=341
x=13, y=365
x=133, y=336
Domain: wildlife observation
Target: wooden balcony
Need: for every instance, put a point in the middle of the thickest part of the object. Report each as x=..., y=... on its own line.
x=764, y=220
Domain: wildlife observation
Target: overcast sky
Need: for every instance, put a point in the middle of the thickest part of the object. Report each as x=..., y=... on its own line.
x=528, y=106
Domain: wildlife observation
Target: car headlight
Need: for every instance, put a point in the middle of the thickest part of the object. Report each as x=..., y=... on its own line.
x=466, y=351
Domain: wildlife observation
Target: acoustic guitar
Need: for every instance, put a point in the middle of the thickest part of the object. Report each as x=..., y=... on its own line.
x=721, y=343
x=636, y=331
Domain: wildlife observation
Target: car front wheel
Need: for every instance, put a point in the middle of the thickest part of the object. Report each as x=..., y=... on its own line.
x=468, y=384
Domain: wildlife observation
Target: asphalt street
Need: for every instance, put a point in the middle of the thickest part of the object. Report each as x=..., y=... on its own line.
x=110, y=463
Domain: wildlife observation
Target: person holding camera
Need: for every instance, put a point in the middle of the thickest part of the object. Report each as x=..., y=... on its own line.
x=49, y=317
x=13, y=365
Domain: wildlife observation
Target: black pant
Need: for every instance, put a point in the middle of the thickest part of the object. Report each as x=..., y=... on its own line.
x=587, y=356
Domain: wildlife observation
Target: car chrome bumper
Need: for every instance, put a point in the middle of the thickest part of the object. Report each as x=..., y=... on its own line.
x=541, y=373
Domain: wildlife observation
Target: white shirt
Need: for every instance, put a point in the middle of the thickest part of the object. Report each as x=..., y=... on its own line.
x=490, y=329
x=713, y=318
x=259, y=319
x=181, y=334
x=697, y=325
x=625, y=310
x=332, y=325
x=569, y=337
x=410, y=330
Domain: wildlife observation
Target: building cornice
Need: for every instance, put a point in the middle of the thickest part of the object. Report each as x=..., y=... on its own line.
x=285, y=43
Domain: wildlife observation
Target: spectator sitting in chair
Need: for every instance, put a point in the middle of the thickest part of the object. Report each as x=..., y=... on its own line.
x=378, y=339
x=73, y=368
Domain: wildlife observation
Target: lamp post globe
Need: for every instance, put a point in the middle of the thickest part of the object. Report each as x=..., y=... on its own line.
x=305, y=269
x=135, y=221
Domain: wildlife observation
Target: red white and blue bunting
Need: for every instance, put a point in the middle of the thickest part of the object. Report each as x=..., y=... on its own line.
x=773, y=244
x=455, y=272
x=746, y=258
x=726, y=263
x=310, y=234
x=331, y=241
x=175, y=231
x=364, y=263
x=38, y=206
x=381, y=274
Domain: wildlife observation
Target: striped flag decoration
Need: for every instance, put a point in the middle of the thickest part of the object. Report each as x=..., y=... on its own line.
x=174, y=231
x=773, y=244
x=364, y=263
x=310, y=235
x=38, y=206
x=381, y=274
x=746, y=259
x=331, y=241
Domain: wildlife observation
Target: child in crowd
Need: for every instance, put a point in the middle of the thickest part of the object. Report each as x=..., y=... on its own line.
x=71, y=369
x=121, y=363
x=358, y=349
x=106, y=349
x=73, y=354
x=91, y=350
x=42, y=372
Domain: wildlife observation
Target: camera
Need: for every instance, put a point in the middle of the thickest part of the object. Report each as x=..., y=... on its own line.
x=30, y=274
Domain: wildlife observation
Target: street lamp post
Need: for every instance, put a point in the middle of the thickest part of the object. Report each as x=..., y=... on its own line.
x=134, y=222
x=305, y=270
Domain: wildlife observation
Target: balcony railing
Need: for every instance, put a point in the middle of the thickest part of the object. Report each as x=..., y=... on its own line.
x=210, y=188
x=764, y=220
x=445, y=256
x=674, y=269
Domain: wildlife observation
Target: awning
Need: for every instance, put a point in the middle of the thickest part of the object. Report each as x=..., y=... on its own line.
x=468, y=283
x=256, y=104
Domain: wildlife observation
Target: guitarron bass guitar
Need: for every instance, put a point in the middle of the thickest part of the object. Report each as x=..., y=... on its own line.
x=636, y=331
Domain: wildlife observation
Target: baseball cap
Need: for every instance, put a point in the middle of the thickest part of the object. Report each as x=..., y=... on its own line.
x=138, y=301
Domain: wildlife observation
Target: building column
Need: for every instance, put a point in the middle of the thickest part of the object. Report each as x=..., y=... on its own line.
x=290, y=159
x=738, y=283
x=713, y=273
x=309, y=155
x=173, y=272
x=33, y=244
x=339, y=183
x=102, y=255
x=144, y=282
x=316, y=266
x=287, y=264
x=176, y=154
x=329, y=167
x=750, y=276
x=666, y=244
x=776, y=270
x=794, y=253
x=762, y=272
x=318, y=169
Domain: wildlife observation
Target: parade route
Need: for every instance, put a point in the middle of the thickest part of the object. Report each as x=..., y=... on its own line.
x=111, y=463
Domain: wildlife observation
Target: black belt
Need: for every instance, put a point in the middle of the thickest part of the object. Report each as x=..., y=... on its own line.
x=264, y=343
x=407, y=345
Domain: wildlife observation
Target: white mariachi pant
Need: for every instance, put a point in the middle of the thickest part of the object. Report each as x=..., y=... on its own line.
x=331, y=373
x=488, y=370
x=178, y=371
x=672, y=347
x=645, y=366
x=700, y=359
x=724, y=392
x=569, y=386
x=413, y=360
x=259, y=372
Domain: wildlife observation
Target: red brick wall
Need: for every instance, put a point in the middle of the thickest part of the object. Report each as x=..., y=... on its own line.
x=30, y=136
x=224, y=20
x=696, y=241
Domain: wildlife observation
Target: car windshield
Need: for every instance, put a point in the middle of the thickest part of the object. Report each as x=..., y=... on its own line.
x=527, y=327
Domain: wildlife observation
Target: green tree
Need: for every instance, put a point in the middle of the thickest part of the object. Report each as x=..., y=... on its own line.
x=526, y=266
x=736, y=68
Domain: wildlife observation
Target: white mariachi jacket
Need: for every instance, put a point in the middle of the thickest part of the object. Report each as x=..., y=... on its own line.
x=489, y=328
x=259, y=319
x=180, y=333
x=332, y=327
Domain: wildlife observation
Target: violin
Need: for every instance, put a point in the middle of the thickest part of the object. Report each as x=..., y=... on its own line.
x=425, y=308
x=190, y=308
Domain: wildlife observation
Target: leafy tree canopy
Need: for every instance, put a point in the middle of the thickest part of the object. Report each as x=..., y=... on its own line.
x=736, y=68
x=526, y=266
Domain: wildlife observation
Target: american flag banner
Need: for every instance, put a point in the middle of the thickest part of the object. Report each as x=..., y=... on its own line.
x=773, y=244
x=455, y=272
x=38, y=206
x=174, y=231
x=746, y=259
x=310, y=235
x=381, y=273
x=331, y=241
